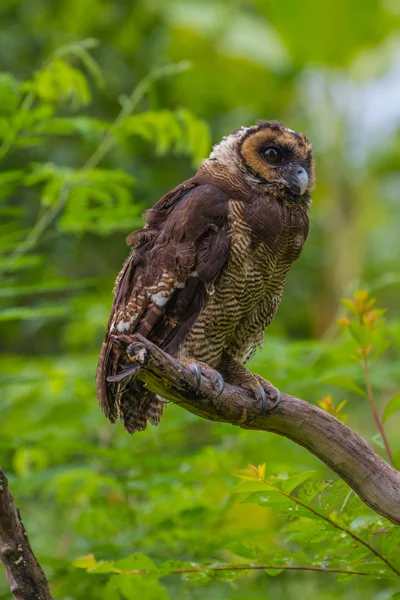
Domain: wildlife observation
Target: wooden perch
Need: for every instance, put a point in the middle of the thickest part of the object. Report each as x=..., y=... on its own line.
x=24, y=574
x=338, y=446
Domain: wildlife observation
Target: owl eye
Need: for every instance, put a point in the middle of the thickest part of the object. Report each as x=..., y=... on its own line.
x=272, y=155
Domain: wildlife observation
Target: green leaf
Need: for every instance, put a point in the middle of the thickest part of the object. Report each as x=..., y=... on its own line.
x=392, y=406
x=396, y=460
x=172, y=565
x=380, y=348
x=311, y=489
x=269, y=499
x=344, y=382
x=128, y=587
x=249, y=486
x=135, y=562
x=9, y=94
x=103, y=566
x=273, y=572
x=361, y=333
x=288, y=485
x=85, y=562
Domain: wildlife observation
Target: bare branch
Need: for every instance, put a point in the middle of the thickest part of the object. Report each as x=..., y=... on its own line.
x=24, y=574
x=338, y=446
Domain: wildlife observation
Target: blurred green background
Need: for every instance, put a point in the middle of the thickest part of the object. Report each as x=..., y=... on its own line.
x=330, y=69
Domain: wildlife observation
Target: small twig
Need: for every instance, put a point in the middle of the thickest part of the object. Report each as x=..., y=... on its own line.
x=24, y=574
x=333, y=442
x=371, y=401
x=251, y=568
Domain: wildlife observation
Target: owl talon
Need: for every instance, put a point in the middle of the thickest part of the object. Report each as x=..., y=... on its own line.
x=194, y=367
x=214, y=377
x=273, y=394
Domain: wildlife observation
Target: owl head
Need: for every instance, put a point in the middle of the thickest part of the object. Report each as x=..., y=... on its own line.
x=268, y=157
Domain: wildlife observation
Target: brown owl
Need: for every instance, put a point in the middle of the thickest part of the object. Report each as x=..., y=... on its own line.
x=205, y=275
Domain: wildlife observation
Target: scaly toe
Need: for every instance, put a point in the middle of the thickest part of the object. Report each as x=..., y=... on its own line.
x=217, y=381
x=270, y=392
x=213, y=376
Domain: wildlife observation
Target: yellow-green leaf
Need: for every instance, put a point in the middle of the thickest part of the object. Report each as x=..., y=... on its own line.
x=85, y=562
x=249, y=486
x=392, y=406
x=344, y=382
x=295, y=480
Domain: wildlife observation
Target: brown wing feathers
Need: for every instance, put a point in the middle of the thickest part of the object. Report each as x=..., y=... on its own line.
x=162, y=289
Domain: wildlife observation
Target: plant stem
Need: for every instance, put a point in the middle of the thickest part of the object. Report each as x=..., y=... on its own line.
x=10, y=139
x=336, y=525
x=371, y=401
x=250, y=568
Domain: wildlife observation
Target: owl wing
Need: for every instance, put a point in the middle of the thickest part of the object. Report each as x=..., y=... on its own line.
x=164, y=283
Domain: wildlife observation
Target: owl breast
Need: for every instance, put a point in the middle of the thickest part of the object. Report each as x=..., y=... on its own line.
x=248, y=291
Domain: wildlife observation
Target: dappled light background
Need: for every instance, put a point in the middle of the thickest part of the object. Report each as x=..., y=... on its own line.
x=329, y=69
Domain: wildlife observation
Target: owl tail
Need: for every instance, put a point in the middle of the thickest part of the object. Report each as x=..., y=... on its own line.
x=155, y=412
x=138, y=406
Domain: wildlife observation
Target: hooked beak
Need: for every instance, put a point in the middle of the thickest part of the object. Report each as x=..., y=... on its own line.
x=299, y=180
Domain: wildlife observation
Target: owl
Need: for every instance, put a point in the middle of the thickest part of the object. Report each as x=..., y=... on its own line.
x=205, y=275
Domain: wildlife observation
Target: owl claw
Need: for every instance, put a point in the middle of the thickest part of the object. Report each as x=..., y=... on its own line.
x=215, y=378
x=194, y=367
x=261, y=395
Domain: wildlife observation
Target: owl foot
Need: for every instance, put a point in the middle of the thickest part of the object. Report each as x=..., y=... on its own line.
x=213, y=376
x=265, y=392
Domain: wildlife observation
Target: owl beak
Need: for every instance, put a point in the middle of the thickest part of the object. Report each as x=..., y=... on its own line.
x=300, y=180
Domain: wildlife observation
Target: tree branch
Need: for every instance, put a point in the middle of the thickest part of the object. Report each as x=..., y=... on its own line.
x=24, y=574
x=338, y=446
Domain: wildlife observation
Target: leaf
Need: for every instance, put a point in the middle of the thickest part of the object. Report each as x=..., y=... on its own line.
x=380, y=348
x=246, y=474
x=9, y=94
x=361, y=333
x=273, y=572
x=392, y=406
x=103, y=566
x=311, y=489
x=127, y=587
x=85, y=562
x=269, y=499
x=181, y=132
x=135, y=562
x=350, y=305
x=249, y=486
x=344, y=382
x=172, y=565
x=396, y=460
x=295, y=480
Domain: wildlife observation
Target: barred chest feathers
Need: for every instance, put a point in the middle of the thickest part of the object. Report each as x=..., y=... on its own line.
x=246, y=296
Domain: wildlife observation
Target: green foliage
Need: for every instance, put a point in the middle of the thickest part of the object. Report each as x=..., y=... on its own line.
x=91, y=134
